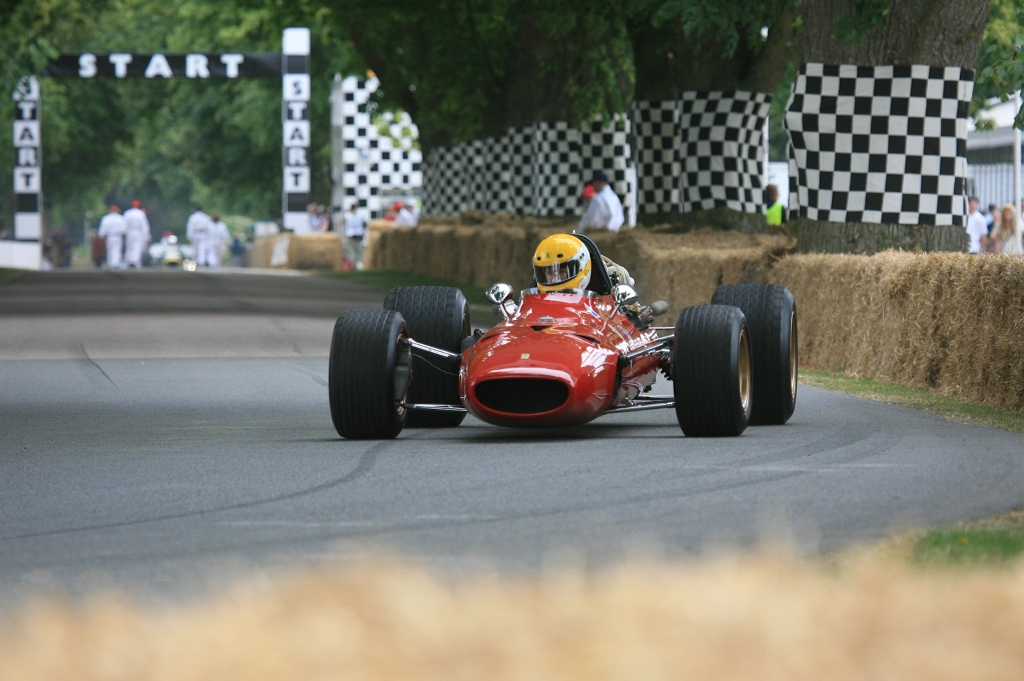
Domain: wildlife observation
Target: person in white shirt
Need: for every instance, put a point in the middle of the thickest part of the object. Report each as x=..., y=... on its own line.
x=1006, y=237
x=406, y=217
x=605, y=210
x=217, y=235
x=355, y=230
x=137, y=235
x=196, y=229
x=976, y=228
x=112, y=228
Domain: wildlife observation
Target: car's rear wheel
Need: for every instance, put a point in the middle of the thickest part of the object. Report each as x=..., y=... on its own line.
x=772, y=320
x=711, y=371
x=368, y=374
x=437, y=316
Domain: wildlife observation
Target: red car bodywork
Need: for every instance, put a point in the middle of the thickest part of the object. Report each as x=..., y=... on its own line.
x=556, y=362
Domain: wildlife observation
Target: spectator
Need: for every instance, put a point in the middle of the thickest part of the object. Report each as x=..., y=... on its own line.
x=99, y=249
x=991, y=216
x=976, y=229
x=355, y=231
x=237, y=253
x=996, y=221
x=605, y=210
x=776, y=213
x=1006, y=238
x=405, y=217
x=112, y=229
x=313, y=219
x=216, y=235
x=587, y=195
x=196, y=229
x=391, y=214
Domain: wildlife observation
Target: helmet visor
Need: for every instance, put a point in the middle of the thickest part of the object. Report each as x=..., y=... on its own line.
x=559, y=273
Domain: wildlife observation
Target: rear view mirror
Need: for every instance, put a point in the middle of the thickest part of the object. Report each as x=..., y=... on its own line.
x=624, y=294
x=499, y=293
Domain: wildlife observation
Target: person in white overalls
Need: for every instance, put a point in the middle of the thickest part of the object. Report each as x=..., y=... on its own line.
x=137, y=235
x=112, y=228
x=216, y=236
x=196, y=230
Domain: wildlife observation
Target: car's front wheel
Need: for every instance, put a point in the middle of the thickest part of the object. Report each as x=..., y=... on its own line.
x=369, y=374
x=711, y=371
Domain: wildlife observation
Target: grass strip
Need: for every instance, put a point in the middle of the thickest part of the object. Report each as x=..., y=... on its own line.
x=385, y=280
x=8, y=275
x=920, y=399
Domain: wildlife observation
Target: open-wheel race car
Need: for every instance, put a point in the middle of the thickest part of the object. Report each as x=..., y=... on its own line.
x=563, y=358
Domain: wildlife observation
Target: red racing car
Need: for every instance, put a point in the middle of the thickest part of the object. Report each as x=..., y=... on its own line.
x=563, y=358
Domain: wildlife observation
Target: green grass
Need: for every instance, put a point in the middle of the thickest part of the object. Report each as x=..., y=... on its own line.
x=9, y=275
x=385, y=280
x=968, y=547
x=920, y=399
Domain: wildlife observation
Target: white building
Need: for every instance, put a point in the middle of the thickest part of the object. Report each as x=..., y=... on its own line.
x=990, y=156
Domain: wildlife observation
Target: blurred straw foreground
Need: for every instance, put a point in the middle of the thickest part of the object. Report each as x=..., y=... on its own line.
x=762, y=618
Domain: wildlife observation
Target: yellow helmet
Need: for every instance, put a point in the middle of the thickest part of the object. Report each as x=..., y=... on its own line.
x=561, y=262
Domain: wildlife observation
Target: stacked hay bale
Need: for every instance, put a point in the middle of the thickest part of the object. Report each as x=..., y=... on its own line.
x=300, y=251
x=947, y=321
x=683, y=269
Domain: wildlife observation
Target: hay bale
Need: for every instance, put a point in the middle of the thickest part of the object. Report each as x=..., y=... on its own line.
x=315, y=252
x=298, y=252
x=947, y=321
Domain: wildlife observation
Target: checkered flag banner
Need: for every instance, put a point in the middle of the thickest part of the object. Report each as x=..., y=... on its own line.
x=879, y=144
x=379, y=153
x=538, y=170
x=721, y=141
x=656, y=124
x=702, y=151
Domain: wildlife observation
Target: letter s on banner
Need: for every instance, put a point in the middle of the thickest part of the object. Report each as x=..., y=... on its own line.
x=87, y=65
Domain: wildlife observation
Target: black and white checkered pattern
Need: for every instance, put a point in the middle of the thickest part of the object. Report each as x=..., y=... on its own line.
x=556, y=168
x=378, y=152
x=656, y=124
x=722, y=146
x=605, y=147
x=538, y=170
x=879, y=144
x=444, y=189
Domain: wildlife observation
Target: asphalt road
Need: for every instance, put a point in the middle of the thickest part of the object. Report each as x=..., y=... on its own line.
x=161, y=433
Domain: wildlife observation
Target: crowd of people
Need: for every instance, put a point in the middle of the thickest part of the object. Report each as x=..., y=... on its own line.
x=124, y=238
x=997, y=230
x=121, y=240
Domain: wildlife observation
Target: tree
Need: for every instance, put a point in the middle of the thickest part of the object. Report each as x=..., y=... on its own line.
x=474, y=68
x=878, y=33
x=701, y=45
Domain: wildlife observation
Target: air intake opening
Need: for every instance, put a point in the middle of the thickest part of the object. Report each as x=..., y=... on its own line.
x=522, y=395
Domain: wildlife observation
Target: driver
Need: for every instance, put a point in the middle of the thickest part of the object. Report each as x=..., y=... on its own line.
x=562, y=262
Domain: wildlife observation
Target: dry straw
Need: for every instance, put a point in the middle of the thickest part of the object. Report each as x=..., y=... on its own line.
x=951, y=322
x=759, y=618
x=947, y=321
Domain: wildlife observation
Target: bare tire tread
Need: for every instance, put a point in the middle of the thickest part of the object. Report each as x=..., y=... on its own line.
x=437, y=316
x=768, y=311
x=361, y=374
x=704, y=371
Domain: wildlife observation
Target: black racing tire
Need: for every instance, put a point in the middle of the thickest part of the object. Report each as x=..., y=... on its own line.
x=772, y=320
x=711, y=371
x=367, y=373
x=437, y=316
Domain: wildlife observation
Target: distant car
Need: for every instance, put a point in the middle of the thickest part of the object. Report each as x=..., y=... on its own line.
x=563, y=359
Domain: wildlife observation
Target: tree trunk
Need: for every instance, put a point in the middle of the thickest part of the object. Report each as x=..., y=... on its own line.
x=667, y=63
x=858, y=237
x=931, y=32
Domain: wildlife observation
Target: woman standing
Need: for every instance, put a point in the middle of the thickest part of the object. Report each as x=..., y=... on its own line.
x=1007, y=236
